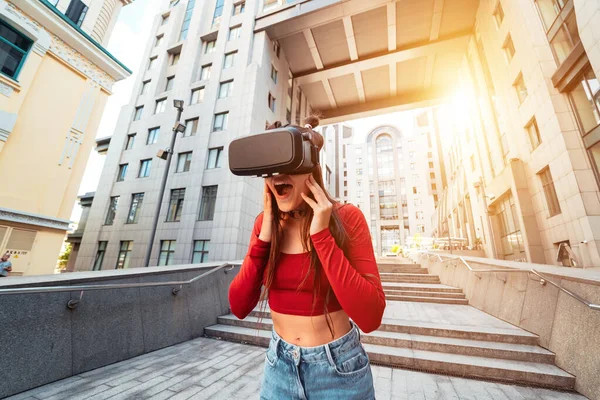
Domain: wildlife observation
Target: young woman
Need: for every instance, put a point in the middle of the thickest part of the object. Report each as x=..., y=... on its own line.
x=315, y=259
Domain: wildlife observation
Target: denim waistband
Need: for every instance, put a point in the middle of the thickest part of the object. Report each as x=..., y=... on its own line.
x=318, y=353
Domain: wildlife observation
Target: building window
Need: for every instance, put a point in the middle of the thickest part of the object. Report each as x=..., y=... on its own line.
x=209, y=47
x=586, y=101
x=565, y=39
x=510, y=231
x=229, y=60
x=271, y=102
x=214, y=158
x=197, y=96
x=276, y=48
x=160, y=106
x=170, y=81
x=419, y=214
x=534, y=133
x=234, y=33
x=124, y=254
x=159, y=40
x=130, y=141
x=175, y=205
x=122, y=172
x=145, y=87
x=225, y=89
x=165, y=19
x=205, y=72
x=145, y=165
x=152, y=63
x=273, y=74
x=187, y=19
x=76, y=12
x=112, y=210
x=200, y=253
x=184, y=161
x=218, y=13
x=207, y=205
x=220, y=123
x=99, y=256
x=175, y=58
x=191, y=127
x=167, y=250
x=270, y=4
x=549, y=10
x=152, y=135
x=421, y=228
x=509, y=49
x=549, y=192
x=412, y=166
x=134, y=210
x=520, y=88
x=498, y=15
x=239, y=8
x=137, y=115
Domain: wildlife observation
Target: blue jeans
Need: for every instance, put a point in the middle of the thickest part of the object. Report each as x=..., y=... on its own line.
x=336, y=370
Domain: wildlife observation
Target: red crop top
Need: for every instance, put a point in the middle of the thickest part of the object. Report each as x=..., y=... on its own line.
x=361, y=297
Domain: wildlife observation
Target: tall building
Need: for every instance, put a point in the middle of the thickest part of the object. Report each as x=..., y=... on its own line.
x=393, y=177
x=523, y=166
x=334, y=159
x=55, y=78
x=523, y=71
x=233, y=82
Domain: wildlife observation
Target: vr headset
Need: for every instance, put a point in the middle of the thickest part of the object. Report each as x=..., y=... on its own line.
x=286, y=150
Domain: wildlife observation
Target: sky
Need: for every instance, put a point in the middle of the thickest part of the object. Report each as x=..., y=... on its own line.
x=127, y=44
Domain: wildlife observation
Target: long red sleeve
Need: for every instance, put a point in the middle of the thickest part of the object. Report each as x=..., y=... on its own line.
x=244, y=291
x=361, y=297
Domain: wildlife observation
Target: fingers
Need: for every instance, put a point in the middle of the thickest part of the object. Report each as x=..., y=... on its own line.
x=316, y=190
x=309, y=201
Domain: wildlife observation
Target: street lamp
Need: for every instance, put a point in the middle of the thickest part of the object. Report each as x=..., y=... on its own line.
x=166, y=155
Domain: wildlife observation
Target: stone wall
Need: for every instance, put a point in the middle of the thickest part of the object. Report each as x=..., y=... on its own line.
x=44, y=341
x=565, y=326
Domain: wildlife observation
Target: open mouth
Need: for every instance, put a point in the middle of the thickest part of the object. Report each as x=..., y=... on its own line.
x=283, y=189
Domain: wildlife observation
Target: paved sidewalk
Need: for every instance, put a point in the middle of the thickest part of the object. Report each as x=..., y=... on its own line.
x=212, y=369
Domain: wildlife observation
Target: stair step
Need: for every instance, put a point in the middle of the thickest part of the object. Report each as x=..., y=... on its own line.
x=428, y=287
x=439, y=300
x=469, y=366
x=403, y=270
x=516, y=336
x=409, y=278
x=520, y=372
x=447, y=295
x=480, y=348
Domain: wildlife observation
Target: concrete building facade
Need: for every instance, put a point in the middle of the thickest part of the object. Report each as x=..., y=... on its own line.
x=523, y=168
x=55, y=78
x=238, y=65
x=394, y=177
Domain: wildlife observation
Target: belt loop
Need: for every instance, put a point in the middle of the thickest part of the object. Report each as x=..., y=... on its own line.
x=329, y=356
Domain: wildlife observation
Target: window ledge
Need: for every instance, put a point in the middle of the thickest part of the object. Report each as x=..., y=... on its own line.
x=16, y=86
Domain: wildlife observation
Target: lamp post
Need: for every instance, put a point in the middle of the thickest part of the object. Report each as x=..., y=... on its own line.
x=166, y=155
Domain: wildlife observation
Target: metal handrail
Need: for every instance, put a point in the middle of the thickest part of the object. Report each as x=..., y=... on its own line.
x=543, y=279
x=82, y=288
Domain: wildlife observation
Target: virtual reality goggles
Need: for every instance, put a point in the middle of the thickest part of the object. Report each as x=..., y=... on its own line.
x=286, y=150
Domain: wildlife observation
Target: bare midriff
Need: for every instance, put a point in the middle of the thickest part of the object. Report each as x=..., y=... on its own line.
x=310, y=331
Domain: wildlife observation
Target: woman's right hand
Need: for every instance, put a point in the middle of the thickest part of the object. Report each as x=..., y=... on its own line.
x=265, y=230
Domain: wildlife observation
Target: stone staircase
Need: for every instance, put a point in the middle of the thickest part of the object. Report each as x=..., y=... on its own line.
x=410, y=282
x=430, y=327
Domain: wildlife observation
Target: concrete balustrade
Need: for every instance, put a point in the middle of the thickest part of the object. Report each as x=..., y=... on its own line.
x=44, y=341
x=565, y=326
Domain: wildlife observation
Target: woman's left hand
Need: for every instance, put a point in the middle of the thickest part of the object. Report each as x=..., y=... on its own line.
x=321, y=206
